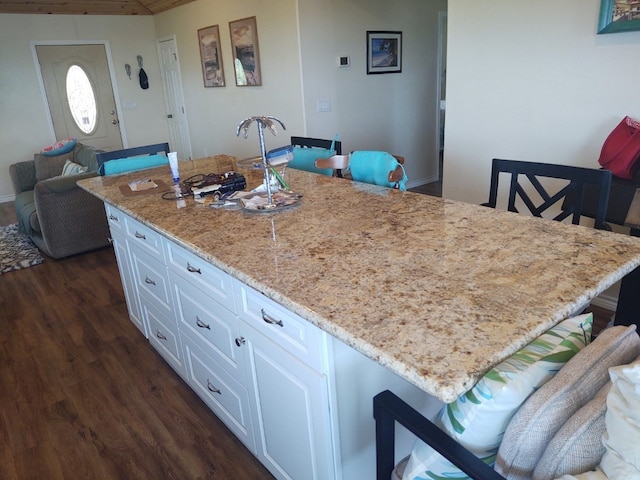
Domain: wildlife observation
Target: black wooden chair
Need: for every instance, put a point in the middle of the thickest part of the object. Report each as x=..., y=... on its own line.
x=309, y=142
x=388, y=409
x=572, y=195
x=131, y=152
x=307, y=150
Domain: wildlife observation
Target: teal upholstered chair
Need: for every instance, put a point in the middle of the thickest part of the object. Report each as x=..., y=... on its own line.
x=373, y=167
x=307, y=150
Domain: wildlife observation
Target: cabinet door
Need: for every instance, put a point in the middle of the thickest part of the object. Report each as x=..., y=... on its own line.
x=293, y=428
x=128, y=283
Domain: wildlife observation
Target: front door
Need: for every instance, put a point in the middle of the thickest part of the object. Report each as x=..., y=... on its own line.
x=79, y=94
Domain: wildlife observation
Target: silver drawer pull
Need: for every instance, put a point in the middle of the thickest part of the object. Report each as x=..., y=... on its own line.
x=149, y=281
x=160, y=335
x=140, y=235
x=201, y=324
x=240, y=341
x=270, y=320
x=213, y=389
x=113, y=217
x=193, y=269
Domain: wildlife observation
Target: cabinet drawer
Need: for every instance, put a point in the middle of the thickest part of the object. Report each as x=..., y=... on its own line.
x=222, y=393
x=163, y=336
x=289, y=331
x=208, y=324
x=151, y=277
x=115, y=219
x=145, y=238
x=208, y=278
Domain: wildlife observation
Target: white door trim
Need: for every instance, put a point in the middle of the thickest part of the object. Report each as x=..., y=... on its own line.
x=112, y=77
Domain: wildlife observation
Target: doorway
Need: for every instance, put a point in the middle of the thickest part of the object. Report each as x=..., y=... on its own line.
x=79, y=94
x=179, y=139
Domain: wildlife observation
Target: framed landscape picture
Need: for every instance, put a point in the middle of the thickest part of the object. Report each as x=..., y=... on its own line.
x=384, y=52
x=246, y=54
x=619, y=16
x=210, y=55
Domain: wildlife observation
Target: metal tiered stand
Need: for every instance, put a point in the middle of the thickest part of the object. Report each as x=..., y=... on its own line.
x=270, y=123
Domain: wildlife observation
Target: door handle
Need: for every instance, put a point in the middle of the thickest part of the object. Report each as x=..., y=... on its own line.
x=115, y=122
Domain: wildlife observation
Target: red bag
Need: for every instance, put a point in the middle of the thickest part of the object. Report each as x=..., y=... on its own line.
x=621, y=150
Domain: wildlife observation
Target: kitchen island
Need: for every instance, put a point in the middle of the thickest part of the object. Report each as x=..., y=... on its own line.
x=435, y=291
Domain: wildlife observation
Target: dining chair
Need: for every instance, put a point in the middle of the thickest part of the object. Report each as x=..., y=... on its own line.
x=378, y=168
x=306, y=150
x=527, y=189
x=135, y=158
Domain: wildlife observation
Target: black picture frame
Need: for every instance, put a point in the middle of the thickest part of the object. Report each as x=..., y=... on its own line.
x=384, y=52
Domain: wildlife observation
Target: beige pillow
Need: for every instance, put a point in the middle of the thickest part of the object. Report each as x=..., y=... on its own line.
x=50, y=166
x=538, y=420
x=577, y=447
x=621, y=459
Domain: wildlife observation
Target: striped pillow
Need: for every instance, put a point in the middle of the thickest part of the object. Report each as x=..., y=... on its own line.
x=71, y=168
x=478, y=419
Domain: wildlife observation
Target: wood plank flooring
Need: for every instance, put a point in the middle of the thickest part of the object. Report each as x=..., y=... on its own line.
x=82, y=393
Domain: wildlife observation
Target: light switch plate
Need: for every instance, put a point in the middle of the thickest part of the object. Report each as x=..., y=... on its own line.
x=323, y=105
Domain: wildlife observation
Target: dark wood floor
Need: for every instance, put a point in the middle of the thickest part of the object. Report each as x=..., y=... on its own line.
x=84, y=396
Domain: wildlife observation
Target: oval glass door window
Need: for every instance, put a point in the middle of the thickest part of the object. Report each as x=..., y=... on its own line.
x=82, y=99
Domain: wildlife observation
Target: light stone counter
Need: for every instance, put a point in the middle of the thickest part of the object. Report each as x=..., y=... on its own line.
x=435, y=290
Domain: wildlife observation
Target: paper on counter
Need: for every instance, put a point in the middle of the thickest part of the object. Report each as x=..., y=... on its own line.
x=140, y=185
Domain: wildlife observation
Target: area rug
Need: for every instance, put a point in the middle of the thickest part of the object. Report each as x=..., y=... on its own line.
x=17, y=251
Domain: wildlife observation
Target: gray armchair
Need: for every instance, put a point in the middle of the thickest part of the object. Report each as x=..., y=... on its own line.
x=60, y=218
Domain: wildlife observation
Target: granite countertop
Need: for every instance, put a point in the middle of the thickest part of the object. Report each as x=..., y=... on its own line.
x=437, y=291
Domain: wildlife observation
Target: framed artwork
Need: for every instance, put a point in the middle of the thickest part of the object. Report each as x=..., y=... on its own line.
x=210, y=55
x=384, y=52
x=619, y=16
x=245, y=51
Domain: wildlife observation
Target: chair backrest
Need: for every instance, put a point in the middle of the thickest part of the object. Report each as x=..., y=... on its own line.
x=571, y=194
x=306, y=150
x=392, y=176
x=308, y=142
x=126, y=153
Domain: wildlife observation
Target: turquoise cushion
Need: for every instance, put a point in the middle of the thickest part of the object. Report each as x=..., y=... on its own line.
x=305, y=159
x=60, y=147
x=122, y=165
x=374, y=167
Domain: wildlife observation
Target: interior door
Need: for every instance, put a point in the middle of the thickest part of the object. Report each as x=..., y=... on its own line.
x=96, y=125
x=179, y=140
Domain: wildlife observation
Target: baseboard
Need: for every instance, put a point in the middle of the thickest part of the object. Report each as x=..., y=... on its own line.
x=421, y=181
x=610, y=302
x=7, y=198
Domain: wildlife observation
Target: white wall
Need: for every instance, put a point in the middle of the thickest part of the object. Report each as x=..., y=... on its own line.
x=23, y=111
x=531, y=80
x=214, y=113
x=392, y=112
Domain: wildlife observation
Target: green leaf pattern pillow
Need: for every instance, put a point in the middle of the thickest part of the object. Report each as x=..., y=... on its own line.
x=479, y=418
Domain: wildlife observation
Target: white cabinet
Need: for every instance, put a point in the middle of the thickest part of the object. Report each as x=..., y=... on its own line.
x=299, y=399
x=115, y=219
x=289, y=386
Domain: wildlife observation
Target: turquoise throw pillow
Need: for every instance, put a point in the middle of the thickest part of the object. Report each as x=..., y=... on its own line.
x=60, y=147
x=305, y=159
x=123, y=165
